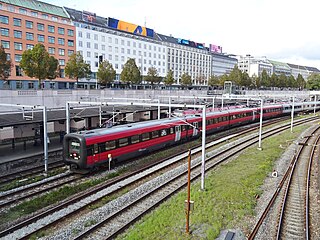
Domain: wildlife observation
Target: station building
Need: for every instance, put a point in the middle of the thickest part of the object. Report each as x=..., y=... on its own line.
x=26, y=23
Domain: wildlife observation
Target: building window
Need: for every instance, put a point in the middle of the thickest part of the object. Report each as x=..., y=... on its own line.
x=29, y=46
x=5, y=32
x=17, y=22
x=96, y=64
x=70, y=43
x=45, y=16
x=80, y=34
x=51, y=39
x=61, y=41
x=17, y=57
x=40, y=38
x=17, y=46
x=61, y=30
x=34, y=14
x=53, y=18
x=103, y=38
x=70, y=52
x=17, y=34
x=96, y=37
x=96, y=46
x=29, y=24
x=4, y=19
x=110, y=57
x=116, y=41
x=40, y=27
x=18, y=71
x=110, y=40
x=88, y=45
x=71, y=32
x=80, y=43
x=61, y=62
x=5, y=44
x=31, y=85
x=61, y=52
x=61, y=73
x=88, y=35
x=10, y=8
x=50, y=29
x=88, y=54
x=22, y=11
x=29, y=36
x=19, y=84
x=103, y=47
x=51, y=50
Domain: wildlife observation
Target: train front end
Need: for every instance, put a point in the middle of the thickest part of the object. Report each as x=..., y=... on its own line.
x=75, y=151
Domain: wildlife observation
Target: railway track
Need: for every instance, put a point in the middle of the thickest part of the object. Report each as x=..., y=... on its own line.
x=55, y=161
x=293, y=190
x=94, y=195
x=17, y=195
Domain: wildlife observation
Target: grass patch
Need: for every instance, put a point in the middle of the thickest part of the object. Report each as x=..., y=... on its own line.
x=229, y=197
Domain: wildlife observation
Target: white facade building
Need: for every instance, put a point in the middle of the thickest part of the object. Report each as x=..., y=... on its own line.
x=222, y=64
x=254, y=66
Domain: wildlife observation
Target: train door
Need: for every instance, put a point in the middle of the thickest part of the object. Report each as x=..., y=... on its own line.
x=96, y=156
x=195, y=129
x=178, y=133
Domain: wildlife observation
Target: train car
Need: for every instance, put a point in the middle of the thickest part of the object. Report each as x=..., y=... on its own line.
x=88, y=149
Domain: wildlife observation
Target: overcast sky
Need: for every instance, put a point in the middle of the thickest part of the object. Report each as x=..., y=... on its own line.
x=283, y=30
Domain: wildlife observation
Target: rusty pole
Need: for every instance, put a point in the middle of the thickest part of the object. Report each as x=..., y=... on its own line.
x=188, y=197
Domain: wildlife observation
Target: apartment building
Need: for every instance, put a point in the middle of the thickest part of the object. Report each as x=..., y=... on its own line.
x=26, y=23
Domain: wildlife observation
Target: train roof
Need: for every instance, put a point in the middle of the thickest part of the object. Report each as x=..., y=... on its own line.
x=152, y=123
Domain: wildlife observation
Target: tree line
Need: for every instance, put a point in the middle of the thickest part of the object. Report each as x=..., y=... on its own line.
x=37, y=63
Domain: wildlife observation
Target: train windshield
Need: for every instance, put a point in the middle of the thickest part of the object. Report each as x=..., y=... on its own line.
x=74, y=149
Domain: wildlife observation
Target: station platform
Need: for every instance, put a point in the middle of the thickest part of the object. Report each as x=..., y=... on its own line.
x=26, y=149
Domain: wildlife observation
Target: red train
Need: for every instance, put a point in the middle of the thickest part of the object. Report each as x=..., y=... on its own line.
x=87, y=149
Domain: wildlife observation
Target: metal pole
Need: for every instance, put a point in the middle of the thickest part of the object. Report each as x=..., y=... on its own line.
x=67, y=118
x=213, y=104
x=222, y=102
x=315, y=104
x=188, y=192
x=100, y=116
x=260, y=129
x=45, y=140
x=169, y=106
x=158, y=108
x=203, y=146
x=292, y=114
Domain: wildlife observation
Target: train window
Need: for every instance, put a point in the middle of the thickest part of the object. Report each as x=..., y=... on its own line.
x=199, y=124
x=183, y=127
x=171, y=130
x=135, y=139
x=123, y=142
x=163, y=132
x=95, y=148
x=102, y=147
x=110, y=145
x=145, y=136
x=177, y=128
x=89, y=150
x=154, y=134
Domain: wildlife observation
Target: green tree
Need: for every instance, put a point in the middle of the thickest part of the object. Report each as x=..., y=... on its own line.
x=236, y=76
x=301, y=83
x=245, y=80
x=214, y=81
x=5, y=65
x=291, y=82
x=76, y=67
x=256, y=81
x=282, y=80
x=169, y=80
x=37, y=63
x=313, y=82
x=223, y=78
x=265, y=79
x=106, y=74
x=130, y=72
x=152, y=76
x=186, y=80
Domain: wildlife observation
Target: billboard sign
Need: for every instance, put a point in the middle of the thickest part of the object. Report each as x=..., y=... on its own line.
x=130, y=27
x=215, y=48
x=191, y=43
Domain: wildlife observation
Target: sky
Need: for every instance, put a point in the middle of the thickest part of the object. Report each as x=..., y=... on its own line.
x=281, y=30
